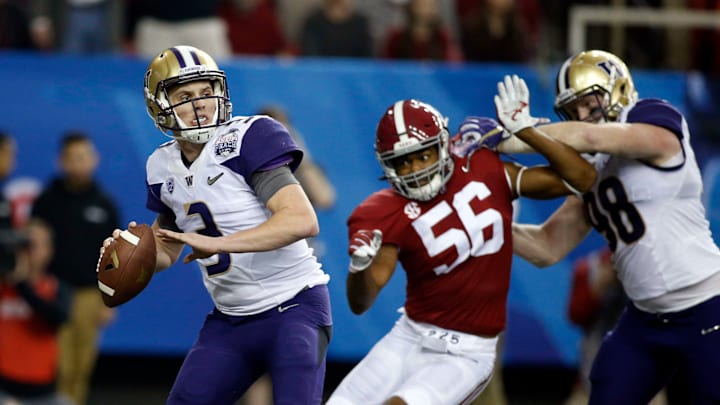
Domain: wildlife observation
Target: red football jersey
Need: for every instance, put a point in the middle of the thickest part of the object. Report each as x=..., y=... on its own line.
x=456, y=248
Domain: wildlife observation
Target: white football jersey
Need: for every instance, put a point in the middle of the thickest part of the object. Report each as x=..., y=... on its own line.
x=653, y=217
x=213, y=197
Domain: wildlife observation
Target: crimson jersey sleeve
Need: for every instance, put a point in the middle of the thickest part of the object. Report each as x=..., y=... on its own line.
x=456, y=249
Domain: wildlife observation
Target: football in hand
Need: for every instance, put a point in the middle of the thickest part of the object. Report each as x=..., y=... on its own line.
x=127, y=265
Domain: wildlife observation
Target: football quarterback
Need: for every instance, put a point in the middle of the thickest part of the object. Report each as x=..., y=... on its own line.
x=224, y=186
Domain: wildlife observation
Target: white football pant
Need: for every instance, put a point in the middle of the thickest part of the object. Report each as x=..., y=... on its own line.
x=423, y=365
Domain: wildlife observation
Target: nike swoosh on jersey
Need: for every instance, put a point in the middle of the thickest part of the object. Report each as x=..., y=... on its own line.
x=283, y=309
x=709, y=330
x=212, y=180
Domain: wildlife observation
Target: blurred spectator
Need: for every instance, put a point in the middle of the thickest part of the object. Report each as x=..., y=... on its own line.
x=382, y=15
x=154, y=25
x=21, y=192
x=423, y=36
x=705, y=46
x=88, y=24
x=387, y=14
x=14, y=26
x=310, y=175
x=596, y=301
x=33, y=305
x=7, y=165
x=78, y=211
x=7, y=160
x=494, y=31
x=336, y=29
x=530, y=12
x=253, y=28
x=77, y=26
x=292, y=15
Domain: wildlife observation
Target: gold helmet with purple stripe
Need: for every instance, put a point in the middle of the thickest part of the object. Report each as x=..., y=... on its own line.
x=176, y=66
x=596, y=73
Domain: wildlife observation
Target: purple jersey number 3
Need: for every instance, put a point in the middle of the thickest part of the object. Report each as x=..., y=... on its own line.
x=201, y=209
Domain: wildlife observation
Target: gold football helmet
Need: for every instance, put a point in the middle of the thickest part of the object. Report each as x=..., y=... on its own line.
x=598, y=73
x=176, y=66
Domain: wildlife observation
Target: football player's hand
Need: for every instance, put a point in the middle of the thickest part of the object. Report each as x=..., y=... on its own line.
x=364, y=245
x=202, y=246
x=512, y=104
x=476, y=133
x=113, y=237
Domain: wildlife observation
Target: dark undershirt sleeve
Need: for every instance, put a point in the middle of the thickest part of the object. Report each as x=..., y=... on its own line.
x=167, y=221
x=267, y=183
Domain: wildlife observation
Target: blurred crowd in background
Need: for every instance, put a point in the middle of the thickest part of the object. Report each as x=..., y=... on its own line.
x=523, y=31
x=457, y=31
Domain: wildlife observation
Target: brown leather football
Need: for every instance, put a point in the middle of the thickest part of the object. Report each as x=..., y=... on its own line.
x=127, y=265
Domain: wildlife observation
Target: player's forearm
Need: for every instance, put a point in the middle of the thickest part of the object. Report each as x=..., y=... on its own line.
x=514, y=145
x=361, y=291
x=547, y=244
x=564, y=160
x=281, y=229
x=577, y=135
x=292, y=219
x=528, y=243
x=167, y=254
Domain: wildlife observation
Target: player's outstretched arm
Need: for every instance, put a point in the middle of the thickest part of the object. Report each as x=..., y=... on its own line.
x=513, y=110
x=292, y=218
x=641, y=141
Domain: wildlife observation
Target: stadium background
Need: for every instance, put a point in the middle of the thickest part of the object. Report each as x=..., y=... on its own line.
x=335, y=104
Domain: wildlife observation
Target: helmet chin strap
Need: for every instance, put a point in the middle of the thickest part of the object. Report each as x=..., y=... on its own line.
x=428, y=191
